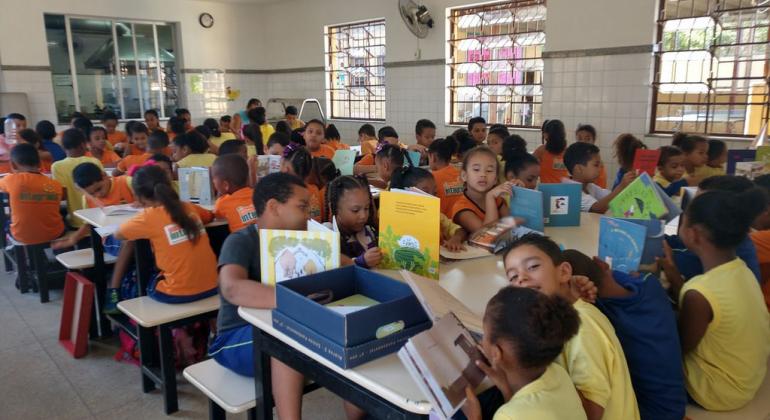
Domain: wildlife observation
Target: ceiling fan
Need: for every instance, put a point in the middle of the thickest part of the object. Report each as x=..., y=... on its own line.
x=416, y=17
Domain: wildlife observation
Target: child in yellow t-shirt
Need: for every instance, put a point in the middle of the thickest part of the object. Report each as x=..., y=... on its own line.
x=723, y=322
x=717, y=158
x=520, y=356
x=695, y=149
x=594, y=358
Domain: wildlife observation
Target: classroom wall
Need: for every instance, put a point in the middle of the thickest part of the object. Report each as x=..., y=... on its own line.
x=232, y=43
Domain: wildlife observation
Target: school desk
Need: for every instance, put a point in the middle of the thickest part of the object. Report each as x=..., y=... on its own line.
x=96, y=218
x=383, y=387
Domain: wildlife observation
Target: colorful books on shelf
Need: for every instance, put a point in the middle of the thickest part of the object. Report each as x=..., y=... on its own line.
x=561, y=204
x=288, y=254
x=735, y=156
x=646, y=160
x=409, y=236
x=344, y=160
x=195, y=186
x=621, y=243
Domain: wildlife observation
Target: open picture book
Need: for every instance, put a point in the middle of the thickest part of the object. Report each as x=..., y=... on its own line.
x=288, y=254
x=442, y=360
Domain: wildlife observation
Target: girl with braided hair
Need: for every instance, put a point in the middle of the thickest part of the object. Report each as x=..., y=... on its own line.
x=349, y=202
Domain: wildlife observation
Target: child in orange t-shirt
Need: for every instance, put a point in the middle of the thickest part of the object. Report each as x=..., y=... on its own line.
x=34, y=198
x=322, y=172
x=482, y=202
x=314, y=136
x=114, y=136
x=157, y=143
x=449, y=186
x=187, y=265
x=230, y=175
x=97, y=147
x=30, y=136
x=298, y=162
x=137, y=138
x=551, y=153
x=333, y=138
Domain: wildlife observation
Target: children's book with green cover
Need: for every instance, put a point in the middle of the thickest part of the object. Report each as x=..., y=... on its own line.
x=410, y=231
x=288, y=254
x=344, y=160
x=639, y=200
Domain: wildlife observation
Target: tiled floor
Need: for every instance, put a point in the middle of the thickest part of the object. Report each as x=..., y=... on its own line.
x=40, y=380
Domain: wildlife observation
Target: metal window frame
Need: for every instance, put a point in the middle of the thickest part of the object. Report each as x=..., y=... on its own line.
x=376, y=114
x=713, y=6
x=116, y=58
x=452, y=15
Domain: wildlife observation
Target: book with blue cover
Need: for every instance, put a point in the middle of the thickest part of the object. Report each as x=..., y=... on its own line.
x=561, y=204
x=621, y=243
x=528, y=205
x=735, y=156
x=412, y=156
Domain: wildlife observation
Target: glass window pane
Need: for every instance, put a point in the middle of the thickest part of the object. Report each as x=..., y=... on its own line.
x=148, y=66
x=169, y=84
x=58, y=55
x=95, y=66
x=128, y=71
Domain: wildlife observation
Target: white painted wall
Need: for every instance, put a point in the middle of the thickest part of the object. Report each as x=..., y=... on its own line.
x=233, y=42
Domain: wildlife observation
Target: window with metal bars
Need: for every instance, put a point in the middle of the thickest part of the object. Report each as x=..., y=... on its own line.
x=712, y=67
x=496, y=63
x=355, y=71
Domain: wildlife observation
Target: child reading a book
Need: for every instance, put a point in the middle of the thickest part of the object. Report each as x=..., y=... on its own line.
x=477, y=127
x=584, y=162
x=482, y=201
x=34, y=198
x=97, y=147
x=695, y=149
x=594, y=358
x=723, y=321
x=640, y=311
x=191, y=150
x=314, y=137
x=74, y=143
x=551, y=153
x=334, y=139
x=671, y=170
x=449, y=186
x=626, y=146
x=452, y=235
x=717, y=157
x=524, y=168
x=277, y=142
x=349, y=201
x=520, y=357
x=230, y=176
x=183, y=255
x=388, y=158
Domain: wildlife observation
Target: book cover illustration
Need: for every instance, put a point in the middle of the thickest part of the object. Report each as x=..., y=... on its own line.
x=494, y=236
x=646, y=161
x=268, y=164
x=735, y=156
x=639, y=200
x=409, y=236
x=442, y=360
x=751, y=170
x=621, y=243
x=195, y=186
x=287, y=254
x=561, y=204
x=344, y=161
x=412, y=156
x=527, y=204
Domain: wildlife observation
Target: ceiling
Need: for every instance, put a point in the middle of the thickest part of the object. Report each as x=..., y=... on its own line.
x=246, y=1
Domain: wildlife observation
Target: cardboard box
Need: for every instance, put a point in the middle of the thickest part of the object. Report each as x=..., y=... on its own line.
x=355, y=337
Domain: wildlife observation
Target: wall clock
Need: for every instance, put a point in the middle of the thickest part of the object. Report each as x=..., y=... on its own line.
x=206, y=20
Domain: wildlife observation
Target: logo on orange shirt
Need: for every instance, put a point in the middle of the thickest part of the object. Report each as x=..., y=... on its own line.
x=246, y=213
x=454, y=188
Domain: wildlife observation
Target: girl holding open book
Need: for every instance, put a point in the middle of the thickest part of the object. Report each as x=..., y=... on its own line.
x=520, y=357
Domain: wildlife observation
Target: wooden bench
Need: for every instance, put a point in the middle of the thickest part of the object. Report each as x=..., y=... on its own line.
x=226, y=390
x=157, y=362
x=81, y=259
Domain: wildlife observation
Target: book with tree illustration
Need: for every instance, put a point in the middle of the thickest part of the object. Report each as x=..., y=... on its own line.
x=410, y=231
x=287, y=254
x=639, y=200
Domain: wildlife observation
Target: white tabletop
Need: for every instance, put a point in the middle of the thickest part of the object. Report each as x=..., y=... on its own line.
x=473, y=282
x=96, y=217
